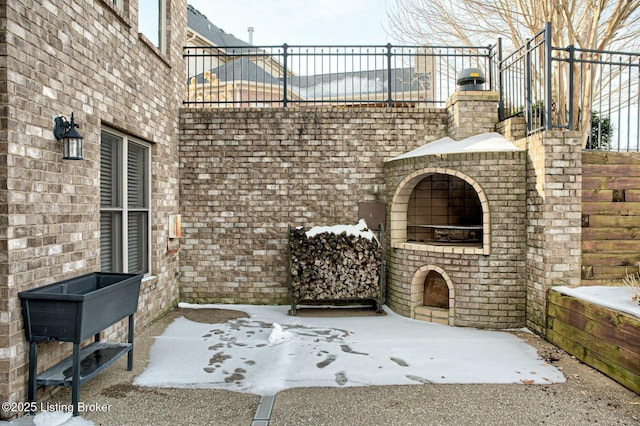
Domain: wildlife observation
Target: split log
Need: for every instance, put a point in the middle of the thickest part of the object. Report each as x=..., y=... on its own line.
x=330, y=266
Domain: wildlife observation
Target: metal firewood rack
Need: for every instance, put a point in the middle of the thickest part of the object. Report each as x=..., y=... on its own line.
x=377, y=300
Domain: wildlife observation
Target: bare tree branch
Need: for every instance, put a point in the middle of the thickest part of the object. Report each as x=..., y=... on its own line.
x=587, y=24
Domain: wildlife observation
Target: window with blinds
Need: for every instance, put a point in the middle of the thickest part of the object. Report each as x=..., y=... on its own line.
x=124, y=204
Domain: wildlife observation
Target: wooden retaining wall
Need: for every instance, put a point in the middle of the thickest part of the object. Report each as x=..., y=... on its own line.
x=610, y=216
x=605, y=339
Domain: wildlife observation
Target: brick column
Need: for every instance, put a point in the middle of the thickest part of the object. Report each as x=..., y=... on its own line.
x=554, y=210
x=471, y=112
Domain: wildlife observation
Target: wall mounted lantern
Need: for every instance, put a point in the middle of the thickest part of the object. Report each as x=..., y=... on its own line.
x=71, y=139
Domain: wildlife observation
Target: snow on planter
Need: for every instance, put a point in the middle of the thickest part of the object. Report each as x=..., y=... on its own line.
x=335, y=263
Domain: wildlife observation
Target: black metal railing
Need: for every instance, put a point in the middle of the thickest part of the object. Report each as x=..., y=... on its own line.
x=330, y=75
x=522, y=75
x=595, y=92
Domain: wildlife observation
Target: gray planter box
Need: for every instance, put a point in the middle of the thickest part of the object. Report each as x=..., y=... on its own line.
x=74, y=310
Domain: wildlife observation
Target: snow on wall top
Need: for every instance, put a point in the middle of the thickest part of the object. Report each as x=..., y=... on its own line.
x=484, y=142
x=359, y=230
x=616, y=298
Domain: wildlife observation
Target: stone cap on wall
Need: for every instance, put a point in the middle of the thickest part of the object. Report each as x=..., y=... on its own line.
x=473, y=95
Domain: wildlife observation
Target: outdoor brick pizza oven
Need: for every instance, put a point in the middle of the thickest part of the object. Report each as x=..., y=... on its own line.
x=456, y=232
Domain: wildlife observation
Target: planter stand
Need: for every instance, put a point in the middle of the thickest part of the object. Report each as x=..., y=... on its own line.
x=82, y=366
x=72, y=311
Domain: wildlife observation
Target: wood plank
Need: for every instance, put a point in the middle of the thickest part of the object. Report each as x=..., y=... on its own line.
x=611, y=246
x=617, y=357
x=611, y=259
x=620, y=325
x=607, y=327
x=622, y=209
x=597, y=195
x=618, y=233
x=632, y=195
x=600, y=337
x=600, y=282
x=586, y=354
x=624, y=377
x=614, y=273
x=579, y=306
x=599, y=157
x=611, y=170
x=594, y=183
x=596, y=220
x=580, y=328
x=590, y=182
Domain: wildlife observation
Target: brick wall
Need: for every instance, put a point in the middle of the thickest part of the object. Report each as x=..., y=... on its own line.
x=245, y=174
x=102, y=70
x=554, y=194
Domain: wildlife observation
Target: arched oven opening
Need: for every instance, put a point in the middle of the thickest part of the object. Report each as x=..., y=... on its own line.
x=436, y=291
x=444, y=210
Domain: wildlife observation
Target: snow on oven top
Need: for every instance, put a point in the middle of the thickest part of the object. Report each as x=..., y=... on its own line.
x=484, y=142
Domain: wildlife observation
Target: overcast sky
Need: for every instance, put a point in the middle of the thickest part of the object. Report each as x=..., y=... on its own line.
x=315, y=22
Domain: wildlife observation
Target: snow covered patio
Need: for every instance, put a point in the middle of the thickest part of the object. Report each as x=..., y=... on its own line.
x=271, y=351
x=586, y=396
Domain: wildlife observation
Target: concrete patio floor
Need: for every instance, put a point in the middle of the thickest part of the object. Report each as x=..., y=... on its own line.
x=587, y=397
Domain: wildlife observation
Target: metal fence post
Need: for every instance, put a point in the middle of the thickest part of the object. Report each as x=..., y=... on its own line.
x=389, y=85
x=500, y=82
x=284, y=78
x=527, y=85
x=548, y=89
x=638, y=115
x=570, y=94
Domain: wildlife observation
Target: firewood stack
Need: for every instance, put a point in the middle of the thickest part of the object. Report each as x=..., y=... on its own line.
x=334, y=265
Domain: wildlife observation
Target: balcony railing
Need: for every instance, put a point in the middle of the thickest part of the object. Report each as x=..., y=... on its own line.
x=596, y=92
x=592, y=91
x=346, y=76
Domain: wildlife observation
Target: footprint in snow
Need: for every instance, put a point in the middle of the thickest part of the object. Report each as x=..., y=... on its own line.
x=399, y=361
x=218, y=358
x=328, y=360
x=341, y=378
x=417, y=379
x=237, y=376
x=347, y=349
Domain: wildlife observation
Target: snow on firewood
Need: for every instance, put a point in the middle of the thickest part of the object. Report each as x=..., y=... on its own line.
x=358, y=230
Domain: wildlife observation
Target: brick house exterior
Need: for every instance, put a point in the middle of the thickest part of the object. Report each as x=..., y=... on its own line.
x=239, y=176
x=90, y=59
